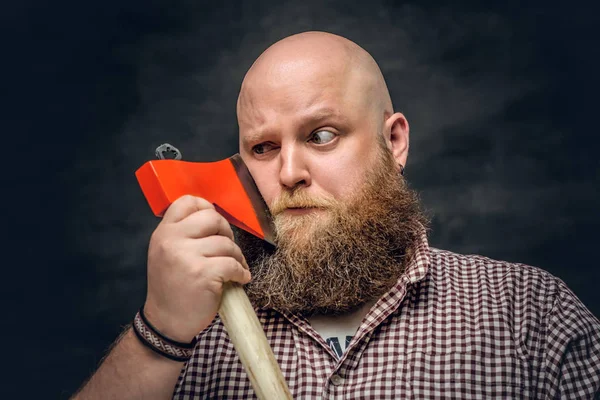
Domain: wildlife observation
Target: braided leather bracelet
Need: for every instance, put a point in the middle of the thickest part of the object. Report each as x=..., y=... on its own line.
x=156, y=341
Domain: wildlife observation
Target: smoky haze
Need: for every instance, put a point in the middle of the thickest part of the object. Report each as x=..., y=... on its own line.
x=500, y=103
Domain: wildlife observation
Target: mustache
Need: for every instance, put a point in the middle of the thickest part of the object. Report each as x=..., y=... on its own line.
x=300, y=199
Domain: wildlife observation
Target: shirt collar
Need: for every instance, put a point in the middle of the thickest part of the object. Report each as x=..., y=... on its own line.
x=418, y=263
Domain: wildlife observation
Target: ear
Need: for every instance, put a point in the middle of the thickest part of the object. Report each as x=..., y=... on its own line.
x=395, y=132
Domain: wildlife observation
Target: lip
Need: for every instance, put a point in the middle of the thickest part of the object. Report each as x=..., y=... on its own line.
x=300, y=211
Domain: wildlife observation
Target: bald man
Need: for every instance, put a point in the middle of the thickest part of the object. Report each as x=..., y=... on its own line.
x=353, y=300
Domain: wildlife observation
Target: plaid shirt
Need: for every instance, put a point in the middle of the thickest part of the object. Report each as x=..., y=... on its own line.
x=454, y=326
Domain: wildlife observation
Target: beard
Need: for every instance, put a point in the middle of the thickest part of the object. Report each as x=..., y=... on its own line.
x=334, y=260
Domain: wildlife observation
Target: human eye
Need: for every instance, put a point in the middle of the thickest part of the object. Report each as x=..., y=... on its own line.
x=262, y=148
x=322, y=137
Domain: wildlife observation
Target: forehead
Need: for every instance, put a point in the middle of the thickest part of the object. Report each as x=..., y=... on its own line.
x=294, y=93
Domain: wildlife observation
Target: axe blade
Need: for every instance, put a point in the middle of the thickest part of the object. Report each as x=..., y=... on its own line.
x=227, y=184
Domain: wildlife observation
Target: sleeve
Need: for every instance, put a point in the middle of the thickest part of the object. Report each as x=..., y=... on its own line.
x=571, y=356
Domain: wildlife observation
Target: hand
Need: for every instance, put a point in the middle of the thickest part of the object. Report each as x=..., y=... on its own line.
x=191, y=255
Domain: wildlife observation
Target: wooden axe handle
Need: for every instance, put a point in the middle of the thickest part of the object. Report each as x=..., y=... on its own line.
x=248, y=338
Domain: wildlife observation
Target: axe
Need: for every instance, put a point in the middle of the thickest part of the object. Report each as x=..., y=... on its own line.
x=228, y=185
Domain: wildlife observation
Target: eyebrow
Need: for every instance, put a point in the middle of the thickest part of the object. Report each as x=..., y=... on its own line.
x=315, y=117
x=254, y=137
x=326, y=113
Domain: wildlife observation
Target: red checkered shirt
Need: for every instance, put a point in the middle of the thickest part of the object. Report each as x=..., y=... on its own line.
x=454, y=326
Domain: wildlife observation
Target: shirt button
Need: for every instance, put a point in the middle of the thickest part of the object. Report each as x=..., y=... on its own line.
x=337, y=380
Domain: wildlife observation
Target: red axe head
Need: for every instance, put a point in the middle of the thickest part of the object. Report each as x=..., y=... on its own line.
x=227, y=184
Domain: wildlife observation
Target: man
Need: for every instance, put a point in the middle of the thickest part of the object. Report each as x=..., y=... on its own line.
x=354, y=302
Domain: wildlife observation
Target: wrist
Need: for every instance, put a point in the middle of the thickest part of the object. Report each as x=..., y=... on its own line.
x=163, y=322
x=160, y=343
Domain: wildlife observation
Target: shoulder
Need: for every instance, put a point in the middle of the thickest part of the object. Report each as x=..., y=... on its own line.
x=448, y=262
x=495, y=284
x=474, y=267
x=520, y=309
x=526, y=291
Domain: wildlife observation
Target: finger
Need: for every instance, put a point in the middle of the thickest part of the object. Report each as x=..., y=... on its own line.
x=219, y=246
x=204, y=223
x=230, y=270
x=184, y=206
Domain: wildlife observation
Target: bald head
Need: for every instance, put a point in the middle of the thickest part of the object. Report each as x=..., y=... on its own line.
x=319, y=61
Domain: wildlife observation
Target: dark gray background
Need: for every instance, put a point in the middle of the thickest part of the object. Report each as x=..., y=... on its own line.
x=502, y=100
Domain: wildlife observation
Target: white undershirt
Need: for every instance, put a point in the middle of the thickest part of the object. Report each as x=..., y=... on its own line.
x=338, y=330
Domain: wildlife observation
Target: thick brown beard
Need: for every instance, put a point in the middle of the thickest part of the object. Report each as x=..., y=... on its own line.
x=355, y=256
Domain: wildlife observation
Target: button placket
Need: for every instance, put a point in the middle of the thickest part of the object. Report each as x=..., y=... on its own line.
x=336, y=380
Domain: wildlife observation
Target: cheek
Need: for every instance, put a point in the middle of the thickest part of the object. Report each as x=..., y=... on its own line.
x=340, y=177
x=344, y=175
x=266, y=182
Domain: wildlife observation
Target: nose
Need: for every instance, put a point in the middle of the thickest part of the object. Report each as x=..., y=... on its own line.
x=294, y=171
